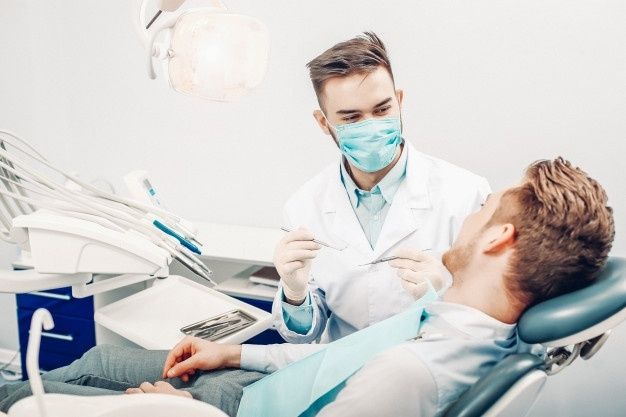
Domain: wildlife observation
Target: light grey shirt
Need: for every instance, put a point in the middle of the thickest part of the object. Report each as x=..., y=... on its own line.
x=459, y=344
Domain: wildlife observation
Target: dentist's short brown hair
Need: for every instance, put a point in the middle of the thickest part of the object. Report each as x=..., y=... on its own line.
x=362, y=54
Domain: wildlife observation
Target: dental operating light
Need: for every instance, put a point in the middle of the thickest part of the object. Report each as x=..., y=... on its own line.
x=206, y=51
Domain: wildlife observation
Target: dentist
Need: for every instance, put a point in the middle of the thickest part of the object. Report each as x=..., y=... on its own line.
x=381, y=198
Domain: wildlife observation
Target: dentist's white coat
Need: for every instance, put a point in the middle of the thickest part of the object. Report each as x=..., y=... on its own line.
x=427, y=212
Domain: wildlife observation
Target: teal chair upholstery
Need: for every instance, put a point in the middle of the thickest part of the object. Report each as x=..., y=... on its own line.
x=570, y=326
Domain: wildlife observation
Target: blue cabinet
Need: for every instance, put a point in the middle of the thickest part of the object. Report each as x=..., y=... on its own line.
x=74, y=330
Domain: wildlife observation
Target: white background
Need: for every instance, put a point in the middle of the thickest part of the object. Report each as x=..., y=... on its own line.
x=489, y=85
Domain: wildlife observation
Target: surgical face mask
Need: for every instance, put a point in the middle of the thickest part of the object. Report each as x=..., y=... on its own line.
x=369, y=145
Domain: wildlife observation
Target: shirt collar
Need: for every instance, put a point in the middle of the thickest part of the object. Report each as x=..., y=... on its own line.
x=387, y=186
x=470, y=321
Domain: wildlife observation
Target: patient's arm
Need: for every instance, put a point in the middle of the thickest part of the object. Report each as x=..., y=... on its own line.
x=192, y=354
x=394, y=383
x=270, y=358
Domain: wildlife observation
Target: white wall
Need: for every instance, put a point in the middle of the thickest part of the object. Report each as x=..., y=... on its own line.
x=490, y=85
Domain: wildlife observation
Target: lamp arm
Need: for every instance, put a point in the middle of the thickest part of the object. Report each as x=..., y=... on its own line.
x=148, y=36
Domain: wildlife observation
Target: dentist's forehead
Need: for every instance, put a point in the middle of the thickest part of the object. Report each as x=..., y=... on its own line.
x=358, y=91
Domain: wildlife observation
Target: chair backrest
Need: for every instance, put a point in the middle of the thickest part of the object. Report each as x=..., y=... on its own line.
x=477, y=400
x=576, y=318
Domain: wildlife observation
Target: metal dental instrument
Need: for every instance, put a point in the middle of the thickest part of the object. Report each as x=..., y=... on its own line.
x=319, y=242
x=155, y=17
x=387, y=259
x=220, y=326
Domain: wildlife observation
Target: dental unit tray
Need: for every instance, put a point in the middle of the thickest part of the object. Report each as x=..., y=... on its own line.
x=153, y=318
x=217, y=327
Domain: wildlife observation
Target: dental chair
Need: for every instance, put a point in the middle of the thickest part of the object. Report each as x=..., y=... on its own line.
x=570, y=326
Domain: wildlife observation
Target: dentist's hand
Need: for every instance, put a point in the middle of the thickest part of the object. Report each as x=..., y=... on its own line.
x=416, y=269
x=293, y=257
x=193, y=353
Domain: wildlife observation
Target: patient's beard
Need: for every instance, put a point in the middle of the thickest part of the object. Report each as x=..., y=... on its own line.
x=457, y=258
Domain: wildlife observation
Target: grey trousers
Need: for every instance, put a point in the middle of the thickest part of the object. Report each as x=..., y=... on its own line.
x=108, y=370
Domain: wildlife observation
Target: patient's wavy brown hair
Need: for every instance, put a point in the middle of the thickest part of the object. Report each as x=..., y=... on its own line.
x=563, y=230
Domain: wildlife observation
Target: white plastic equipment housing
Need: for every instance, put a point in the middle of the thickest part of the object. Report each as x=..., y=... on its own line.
x=65, y=245
x=153, y=405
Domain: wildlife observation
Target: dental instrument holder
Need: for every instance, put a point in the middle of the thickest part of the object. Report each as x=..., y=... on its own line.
x=78, y=232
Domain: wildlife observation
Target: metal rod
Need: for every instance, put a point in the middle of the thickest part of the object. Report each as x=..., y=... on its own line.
x=387, y=259
x=155, y=17
x=328, y=245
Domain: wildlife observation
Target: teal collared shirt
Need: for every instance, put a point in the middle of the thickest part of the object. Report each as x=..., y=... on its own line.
x=371, y=209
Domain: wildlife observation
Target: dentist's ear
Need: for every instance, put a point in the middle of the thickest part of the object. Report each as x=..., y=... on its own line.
x=321, y=121
x=400, y=96
x=502, y=238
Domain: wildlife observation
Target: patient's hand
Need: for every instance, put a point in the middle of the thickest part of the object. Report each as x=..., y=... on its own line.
x=193, y=353
x=159, y=387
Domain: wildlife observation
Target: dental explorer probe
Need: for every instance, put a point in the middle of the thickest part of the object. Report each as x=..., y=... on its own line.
x=387, y=259
x=319, y=242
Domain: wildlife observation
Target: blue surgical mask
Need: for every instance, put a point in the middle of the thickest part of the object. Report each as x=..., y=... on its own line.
x=370, y=145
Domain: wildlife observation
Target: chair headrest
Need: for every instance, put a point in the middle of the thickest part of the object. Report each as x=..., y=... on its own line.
x=580, y=315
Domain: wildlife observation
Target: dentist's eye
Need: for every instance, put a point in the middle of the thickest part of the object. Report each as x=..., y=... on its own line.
x=383, y=110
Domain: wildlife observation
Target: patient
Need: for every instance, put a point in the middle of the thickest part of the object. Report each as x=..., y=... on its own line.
x=545, y=237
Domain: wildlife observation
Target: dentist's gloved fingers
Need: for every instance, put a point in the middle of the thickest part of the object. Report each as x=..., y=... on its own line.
x=420, y=277
x=403, y=263
x=411, y=276
x=298, y=255
x=413, y=254
x=299, y=234
x=303, y=244
x=417, y=290
x=292, y=267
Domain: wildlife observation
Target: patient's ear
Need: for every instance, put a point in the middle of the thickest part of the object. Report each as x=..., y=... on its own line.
x=501, y=238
